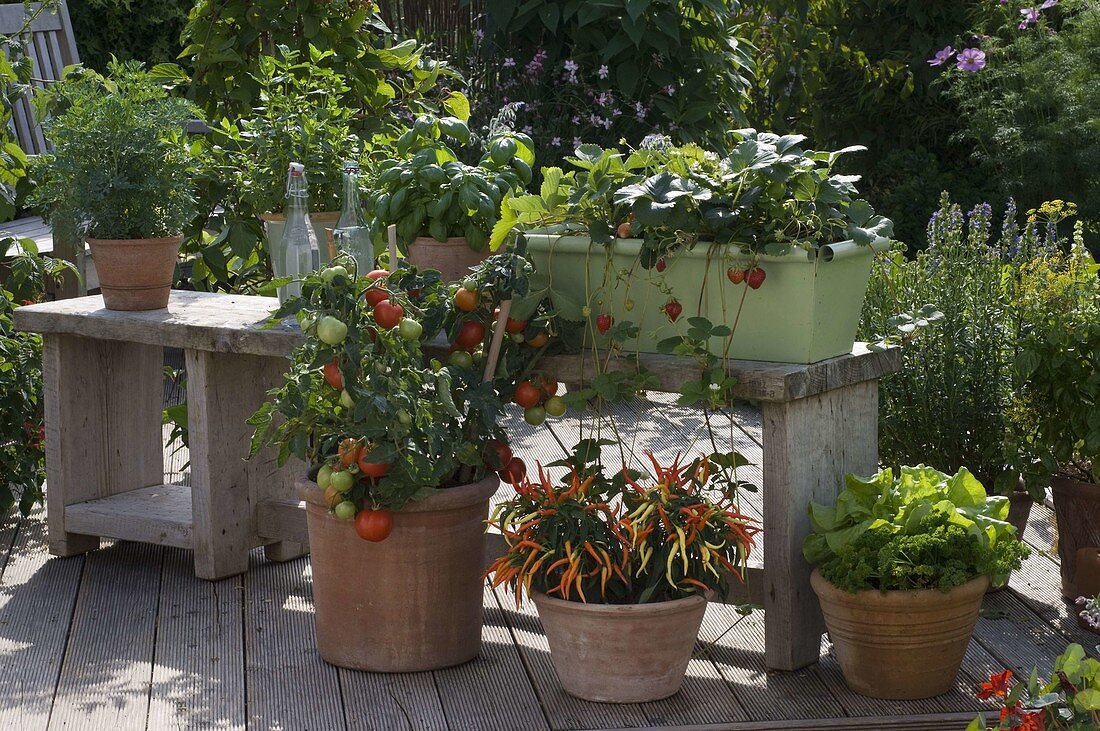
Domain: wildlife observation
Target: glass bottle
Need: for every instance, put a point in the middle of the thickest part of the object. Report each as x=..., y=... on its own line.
x=298, y=254
x=351, y=234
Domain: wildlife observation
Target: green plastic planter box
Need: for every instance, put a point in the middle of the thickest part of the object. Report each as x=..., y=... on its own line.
x=807, y=309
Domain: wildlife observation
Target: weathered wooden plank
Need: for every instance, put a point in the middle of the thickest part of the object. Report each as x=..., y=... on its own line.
x=1018, y=639
x=492, y=692
x=922, y=722
x=12, y=17
x=393, y=702
x=289, y=685
x=37, y=597
x=105, y=678
x=809, y=446
x=198, y=673
x=160, y=514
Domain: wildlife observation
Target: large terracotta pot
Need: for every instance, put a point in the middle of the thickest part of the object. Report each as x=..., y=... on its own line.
x=900, y=645
x=621, y=653
x=452, y=258
x=1077, y=505
x=411, y=602
x=135, y=274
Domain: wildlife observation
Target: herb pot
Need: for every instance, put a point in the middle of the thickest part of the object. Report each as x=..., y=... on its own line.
x=806, y=310
x=275, y=222
x=1077, y=506
x=135, y=274
x=621, y=653
x=408, y=603
x=900, y=645
x=452, y=258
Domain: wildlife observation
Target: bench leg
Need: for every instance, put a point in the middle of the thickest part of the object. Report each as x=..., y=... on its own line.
x=809, y=446
x=103, y=402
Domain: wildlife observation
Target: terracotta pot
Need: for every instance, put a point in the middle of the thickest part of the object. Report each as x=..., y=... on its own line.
x=135, y=274
x=274, y=223
x=1077, y=506
x=411, y=602
x=1087, y=574
x=900, y=645
x=621, y=653
x=452, y=258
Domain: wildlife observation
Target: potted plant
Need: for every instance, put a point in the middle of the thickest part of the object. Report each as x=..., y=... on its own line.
x=663, y=230
x=399, y=474
x=1058, y=367
x=121, y=169
x=902, y=565
x=620, y=570
x=443, y=208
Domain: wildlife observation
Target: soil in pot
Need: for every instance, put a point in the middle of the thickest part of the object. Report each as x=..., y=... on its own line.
x=135, y=274
x=452, y=258
x=900, y=645
x=411, y=602
x=621, y=653
x=1077, y=506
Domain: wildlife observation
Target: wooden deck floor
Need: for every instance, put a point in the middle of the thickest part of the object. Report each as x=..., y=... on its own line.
x=126, y=638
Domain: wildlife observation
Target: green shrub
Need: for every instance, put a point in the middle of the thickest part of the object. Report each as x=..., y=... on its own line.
x=141, y=30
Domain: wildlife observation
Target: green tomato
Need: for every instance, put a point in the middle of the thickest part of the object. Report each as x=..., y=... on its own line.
x=331, y=330
x=345, y=510
x=534, y=415
x=334, y=271
x=346, y=400
x=469, y=284
x=306, y=321
x=555, y=406
x=342, y=481
x=461, y=359
x=410, y=329
x=404, y=417
x=517, y=338
x=324, y=476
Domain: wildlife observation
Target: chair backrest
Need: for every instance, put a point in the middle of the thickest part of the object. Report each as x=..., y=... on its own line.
x=51, y=47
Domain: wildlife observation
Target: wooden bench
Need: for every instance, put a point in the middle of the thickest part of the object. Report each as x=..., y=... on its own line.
x=104, y=451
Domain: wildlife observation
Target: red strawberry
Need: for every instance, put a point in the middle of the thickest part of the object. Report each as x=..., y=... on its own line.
x=603, y=323
x=755, y=277
x=736, y=275
x=661, y=265
x=673, y=309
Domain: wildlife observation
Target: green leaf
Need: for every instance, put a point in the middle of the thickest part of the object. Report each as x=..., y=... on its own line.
x=458, y=105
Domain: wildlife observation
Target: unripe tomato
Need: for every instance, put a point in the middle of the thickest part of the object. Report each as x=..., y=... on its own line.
x=517, y=338
x=373, y=469
x=466, y=300
x=527, y=395
x=538, y=339
x=333, y=376
x=461, y=359
x=374, y=525
x=332, y=496
x=470, y=334
x=332, y=272
x=469, y=284
x=387, y=314
x=410, y=329
x=346, y=400
x=404, y=417
x=349, y=452
x=345, y=510
x=555, y=406
x=514, y=471
x=534, y=415
x=324, y=476
x=341, y=481
x=331, y=331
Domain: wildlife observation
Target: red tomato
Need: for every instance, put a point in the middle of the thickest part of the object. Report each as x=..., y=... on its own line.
x=333, y=377
x=387, y=314
x=514, y=471
x=377, y=274
x=349, y=452
x=374, y=295
x=470, y=334
x=549, y=386
x=527, y=394
x=372, y=469
x=515, y=326
x=497, y=454
x=374, y=525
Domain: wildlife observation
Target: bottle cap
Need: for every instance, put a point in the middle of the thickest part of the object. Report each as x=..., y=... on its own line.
x=296, y=168
x=351, y=165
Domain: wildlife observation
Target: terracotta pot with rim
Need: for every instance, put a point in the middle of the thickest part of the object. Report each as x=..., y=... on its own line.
x=135, y=274
x=411, y=602
x=900, y=645
x=621, y=653
x=452, y=258
x=1077, y=507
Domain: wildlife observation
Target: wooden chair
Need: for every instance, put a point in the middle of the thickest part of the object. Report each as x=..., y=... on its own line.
x=51, y=47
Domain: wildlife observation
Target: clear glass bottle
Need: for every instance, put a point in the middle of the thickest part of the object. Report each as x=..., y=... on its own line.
x=351, y=234
x=298, y=254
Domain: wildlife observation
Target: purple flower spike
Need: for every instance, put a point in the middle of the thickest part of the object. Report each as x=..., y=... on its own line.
x=971, y=59
x=942, y=56
x=1031, y=17
x=1048, y=4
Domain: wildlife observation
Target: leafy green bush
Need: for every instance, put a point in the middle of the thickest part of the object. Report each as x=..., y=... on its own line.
x=141, y=30
x=922, y=529
x=120, y=166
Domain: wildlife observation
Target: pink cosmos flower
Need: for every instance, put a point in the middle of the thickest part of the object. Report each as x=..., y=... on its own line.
x=971, y=59
x=942, y=56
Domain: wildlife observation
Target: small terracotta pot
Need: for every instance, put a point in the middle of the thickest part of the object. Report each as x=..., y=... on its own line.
x=1077, y=506
x=452, y=258
x=135, y=274
x=411, y=602
x=900, y=645
x=621, y=653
